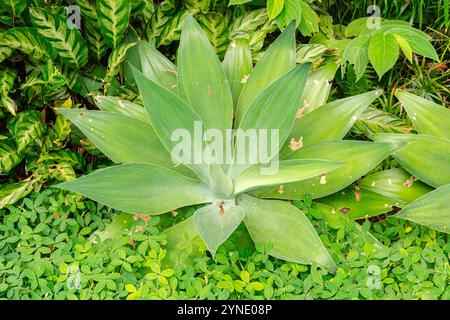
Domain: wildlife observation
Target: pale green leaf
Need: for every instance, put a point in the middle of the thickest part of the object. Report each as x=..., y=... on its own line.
x=277, y=60
x=237, y=65
x=425, y=157
x=140, y=188
x=360, y=157
x=215, y=223
x=286, y=171
x=204, y=86
x=286, y=230
x=396, y=184
x=431, y=210
x=427, y=117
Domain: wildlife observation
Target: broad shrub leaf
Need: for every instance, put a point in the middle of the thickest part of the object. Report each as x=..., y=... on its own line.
x=383, y=52
x=113, y=17
x=140, y=188
x=68, y=43
x=286, y=230
x=28, y=129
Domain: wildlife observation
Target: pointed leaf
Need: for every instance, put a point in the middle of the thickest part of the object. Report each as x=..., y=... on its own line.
x=425, y=157
x=323, y=124
x=204, y=86
x=113, y=17
x=117, y=105
x=418, y=40
x=286, y=229
x=431, y=210
x=287, y=171
x=281, y=98
x=318, y=87
x=168, y=114
x=121, y=138
x=360, y=203
x=396, y=184
x=237, y=65
x=68, y=43
x=140, y=188
x=383, y=52
x=215, y=223
x=278, y=59
x=153, y=64
x=427, y=117
x=359, y=157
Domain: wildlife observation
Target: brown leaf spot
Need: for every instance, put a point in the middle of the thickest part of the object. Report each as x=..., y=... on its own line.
x=409, y=182
x=357, y=193
x=295, y=145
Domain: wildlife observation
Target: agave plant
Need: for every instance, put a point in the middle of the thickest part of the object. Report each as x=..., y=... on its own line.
x=232, y=95
x=426, y=157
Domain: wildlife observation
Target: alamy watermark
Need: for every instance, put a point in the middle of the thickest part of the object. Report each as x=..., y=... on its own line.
x=240, y=147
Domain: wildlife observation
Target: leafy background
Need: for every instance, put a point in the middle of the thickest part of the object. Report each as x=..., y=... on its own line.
x=45, y=63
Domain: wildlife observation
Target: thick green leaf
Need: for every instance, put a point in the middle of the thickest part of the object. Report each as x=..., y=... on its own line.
x=68, y=43
x=427, y=117
x=359, y=157
x=237, y=65
x=126, y=108
x=285, y=93
x=383, y=52
x=285, y=172
x=431, y=210
x=204, y=86
x=373, y=121
x=396, y=184
x=121, y=138
x=140, y=188
x=215, y=223
x=286, y=230
x=318, y=87
x=278, y=59
x=323, y=124
x=426, y=157
x=168, y=114
x=358, y=203
x=153, y=64
x=113, y=17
